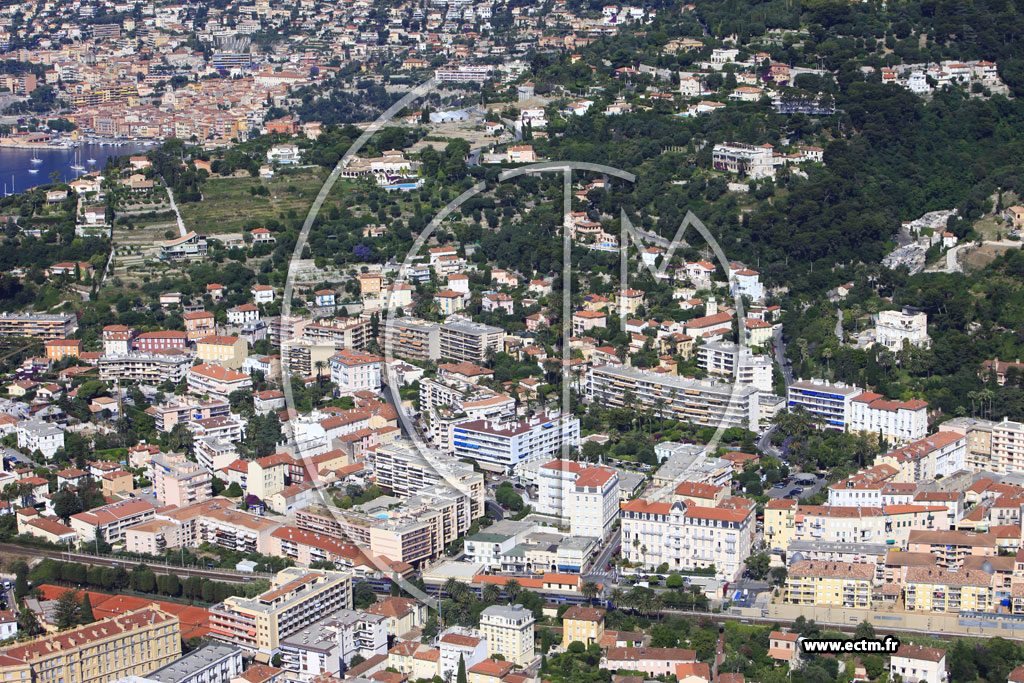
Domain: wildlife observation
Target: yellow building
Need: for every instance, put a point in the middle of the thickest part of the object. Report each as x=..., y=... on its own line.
x=132, y=644
x=228, y=352
x=449, y=302
x=779, y=523
x=585, y=624
x=629, y=300
x=932, y=589
x=834, y=584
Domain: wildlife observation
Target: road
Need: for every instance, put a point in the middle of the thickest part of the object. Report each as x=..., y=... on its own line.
x=174, y=207
x=598, y=572
x=226, y=575
x=952, y=256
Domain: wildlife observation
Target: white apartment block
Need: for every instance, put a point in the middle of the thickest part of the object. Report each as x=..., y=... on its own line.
x=402, y=468
x=752, y=161
x=938, y=455
x=321, y=648
x=1007, y=446
x=588, y=497
x=447, y=404
x=897, y=421
x=728, y=359
x=687, y=536
x=700, y=402
x=36, y=435
x=353, y=371
x=849, y=408
x=211, y=663
x=892, y=328
x=507, y=444
x=508, y=630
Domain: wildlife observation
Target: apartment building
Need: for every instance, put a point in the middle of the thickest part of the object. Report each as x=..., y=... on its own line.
x=342, y=333
x=448, y=403
x=508, y=630
x=828, y=402
x=951, y=548
x=58, y=349
x=225, y=351
x=851, y=409
x=352, y=372
x=131, y=644
x=211, y=663
x=178, y=481
x=304, y=358
x=416, y=532
x=110, y=521
x=267, y=475
x=185, y=410
x=588, y=497
x=43, y=326
x=327, y=647
x=584, y=624
x=938, y=455
x=505, y=445
x=979, y=441
x=893, y=328
x=295, y=599
x=412, y=338
x=934, y=589
x=464, y=340
x=752, y=161
x=216, y=381
x=785, y=521
x=897, y=421
x=687, y=537
x=728, y=359
x=35, y=435
x=406, y=470
x=145, y=367
x=700, y=402
x=1007, y=446
x=832, y=584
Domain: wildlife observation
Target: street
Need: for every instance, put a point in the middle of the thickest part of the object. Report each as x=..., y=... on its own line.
x=598, y=573
x=801, y=481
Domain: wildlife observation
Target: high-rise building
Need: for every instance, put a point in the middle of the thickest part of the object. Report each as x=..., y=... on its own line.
x=296, y=598
x=508, y=630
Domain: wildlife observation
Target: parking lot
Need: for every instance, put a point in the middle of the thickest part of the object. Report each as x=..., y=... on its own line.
x=802, y=485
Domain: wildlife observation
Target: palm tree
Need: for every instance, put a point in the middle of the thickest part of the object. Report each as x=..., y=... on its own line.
x=617, y=598
x=589, y=590
x=513, y=588
x=455, y=589
x=643, y=554
x=320, y=365
x=659, y=407
x=490, y=592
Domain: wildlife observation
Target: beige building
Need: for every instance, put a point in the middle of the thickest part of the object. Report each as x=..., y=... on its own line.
x=297, y=597
x=228, y=352
x=508, y=630
x=132, y=644
x=583, y=624
x=266, y=475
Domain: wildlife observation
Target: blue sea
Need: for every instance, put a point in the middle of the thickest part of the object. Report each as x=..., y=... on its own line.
x=15, y=164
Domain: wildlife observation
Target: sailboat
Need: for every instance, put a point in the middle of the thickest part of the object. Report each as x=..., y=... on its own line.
x=76, y=166
x=35, y=158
